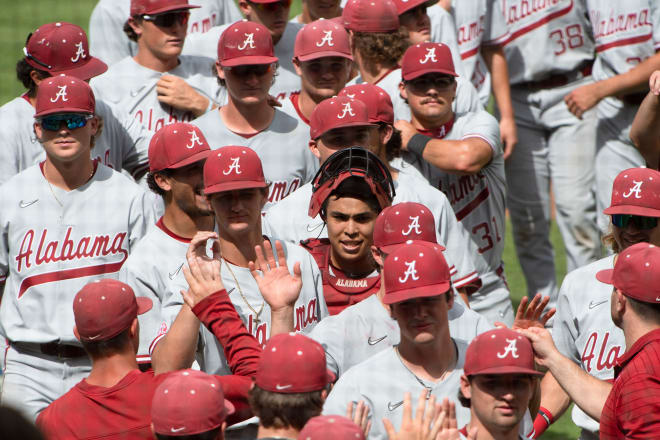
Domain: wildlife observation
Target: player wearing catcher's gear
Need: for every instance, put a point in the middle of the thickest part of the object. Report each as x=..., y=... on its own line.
x=54, y=49
x=323, y=60
x=461, y=154
x=498, y=384
x=62, y=226
x=626, y=57
x=549, y=53
x=583, y=329
x=158, y=85
x=109, y=17
x=352, y=187
x=273, y=15
x=364, y=329
x=246, y=65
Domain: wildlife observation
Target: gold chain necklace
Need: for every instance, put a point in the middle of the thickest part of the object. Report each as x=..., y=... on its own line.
x=51, y=186
x=257, y=315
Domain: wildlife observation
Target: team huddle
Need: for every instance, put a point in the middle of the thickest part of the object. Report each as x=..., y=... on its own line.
x=220, y=222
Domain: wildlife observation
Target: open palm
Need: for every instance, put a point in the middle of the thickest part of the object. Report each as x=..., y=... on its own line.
x=279, y=287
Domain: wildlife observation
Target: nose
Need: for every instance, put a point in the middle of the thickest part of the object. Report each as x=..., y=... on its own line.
x=351, y=228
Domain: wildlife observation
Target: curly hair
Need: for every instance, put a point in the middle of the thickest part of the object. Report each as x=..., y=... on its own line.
x=609, y=241
x=393, y=146
x=23, y=70
x=381, y=48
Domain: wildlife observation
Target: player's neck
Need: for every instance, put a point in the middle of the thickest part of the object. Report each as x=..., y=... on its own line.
x=247, y=119
x=429, y=361
x=108, y=371
x=307, y=103
x=635, y=328
x=284, y=433
x=354, y=269
x=421, y=123
x=68, y=175
x=306, y=16
x=184, y=225
x=372, y=72
x=146, y=58
x=492, y=432
x=239, y=250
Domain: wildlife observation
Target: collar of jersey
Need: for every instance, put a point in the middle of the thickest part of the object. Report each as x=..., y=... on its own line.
x=440, y=132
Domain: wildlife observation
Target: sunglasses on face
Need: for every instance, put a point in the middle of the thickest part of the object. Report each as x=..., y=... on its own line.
x=72, y=121
x=426, y=82
x=168, y=19
x=640, y=222
x=247, y=70
x=272, y=6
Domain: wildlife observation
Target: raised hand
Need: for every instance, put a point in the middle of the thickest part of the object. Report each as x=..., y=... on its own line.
x=202, y=273
x=425, y=425
x=543, y=345
x=531, y=315
x=279, y=287
x=359, y=414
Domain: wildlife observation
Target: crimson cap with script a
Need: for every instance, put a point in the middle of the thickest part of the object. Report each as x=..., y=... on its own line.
x=500, y=351
x=377, y=100
x=399, y=223
x=142, y=7
x=232, y=168
x=337, y=112
x=636, y=191
x=322, y=38
x=244, y=43
x=424, y=58
x=636, y=273
x=64, y=94
x=177, y=145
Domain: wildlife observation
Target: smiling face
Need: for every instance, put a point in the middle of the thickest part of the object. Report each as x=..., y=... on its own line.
x=67, y=145
x=430, y=98
x=187, y=188
x=631, y=234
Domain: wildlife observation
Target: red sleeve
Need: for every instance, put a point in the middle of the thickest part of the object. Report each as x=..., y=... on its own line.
x=638, y=407
x=241, y=348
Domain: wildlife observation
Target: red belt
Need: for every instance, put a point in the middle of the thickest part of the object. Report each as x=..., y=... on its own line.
x=560, y=79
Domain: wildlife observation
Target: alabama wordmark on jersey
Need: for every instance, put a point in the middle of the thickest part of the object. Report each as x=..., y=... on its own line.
x=282, y=147
x=53, y=242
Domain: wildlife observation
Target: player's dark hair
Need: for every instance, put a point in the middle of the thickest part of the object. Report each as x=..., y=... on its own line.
x=464, y=401
x=208, y=435
x=385, y=49
x=609, y=241
x=393, y=146
x=23, y=70
x=128, y=30
x=647, y=311
x=151, y=181
x=109, y=347
x=15, y=425
x=280, y=411
x=356, y=188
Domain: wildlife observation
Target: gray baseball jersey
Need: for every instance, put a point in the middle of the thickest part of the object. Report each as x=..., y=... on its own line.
x=132, y=88
x=443, y=30
x=478, y=201
x=583, y=329
x=366, y=328
x=286, y=80
x=478, y=24
x=53, y=242
x=383, y=379
x=546, y=38
x=283, y=149
x=154, y=270
x=288, y=220
x=123, y=143
x=108, y=41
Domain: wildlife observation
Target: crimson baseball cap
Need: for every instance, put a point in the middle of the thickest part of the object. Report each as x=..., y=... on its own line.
x=375, y=16
x=231, y=168
x=292, y=363
x=377, y=100
x=636, y=191
x=424, y=58
x=245, y=42
x=500, y=351
x=142, y=7
x=415, y=270
x=330, y=428
x=189, y=402
x=322, y=38
x=400, y=223
x=62, y=48
x=337, y=112
x=406, y=5
x=104, y=308
x=177, y=145
x=636, y=273
x=64, y=94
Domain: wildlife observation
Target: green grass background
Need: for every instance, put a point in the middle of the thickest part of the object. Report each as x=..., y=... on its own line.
x=19, y=18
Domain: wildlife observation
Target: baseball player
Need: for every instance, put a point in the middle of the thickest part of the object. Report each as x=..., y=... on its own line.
x=323, y=60
x=63, y=225
x=364, y=329
x=273, y=15
x=626, y=57
x=644, y=131
x=158, y=85
x=109, y=17
x=549, y=53
x=498, y=384
x=246, y=66
x=332, y=133
x=628, y=407
x=236, y=188
x=461, y=154
x=583, y=329
x=54, y=49
x=313, y=10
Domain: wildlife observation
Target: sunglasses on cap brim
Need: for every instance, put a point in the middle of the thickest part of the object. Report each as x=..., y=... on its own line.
x=72, y=121
x=640, y=222
x=168, y=19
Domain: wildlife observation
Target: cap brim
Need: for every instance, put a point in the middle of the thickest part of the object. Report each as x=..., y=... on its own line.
x=510, y=369
x=348, y=124
x=417, y=292
x=53, y=111
x=389, y=248
x=231, y=186
x=245, y=61
x=144, y=305
x=419, y=73
x=175, y=7
x=323, y=54
x=197, y=157
x=93, y=67
x=633, y=210
x=605, y=276
x=414, y=3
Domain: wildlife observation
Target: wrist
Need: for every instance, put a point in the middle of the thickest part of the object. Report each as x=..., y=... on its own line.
x=543, y=420
x=417, y=144
x=203, y=106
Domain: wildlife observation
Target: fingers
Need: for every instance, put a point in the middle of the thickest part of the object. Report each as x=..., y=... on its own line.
x=548, y=315
x=261, y=259
x=438, y=421
x=521, y=308
x=531, y=309
x=270, y=257
x=421, y=408
x=429, y=413
x=539, y=309
x=472, y=434
x=389, y=429
x=297, y=272
x=451, y=415
x=349, y=410
x=255, y=273
x=281, y=259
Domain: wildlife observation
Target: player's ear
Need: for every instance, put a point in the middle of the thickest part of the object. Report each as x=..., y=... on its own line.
x=375, y=254
x=75, y=332
x=465, y=387
x=38, y=131
x=402, y=90
x=385, y=131
x=219, y=71
x=450, y=299
x=163, y=182
x=324, y=395
x=245, y=8
x=135, y=25
x=296, y=65
x=36, y=78
x=315, y=149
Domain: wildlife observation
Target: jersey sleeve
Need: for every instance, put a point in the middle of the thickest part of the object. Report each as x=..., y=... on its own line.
x=484, y=126
x=328, y=333
x=443, y=30
x=495, y=28
x=564, y=330
x=142, y=215
x=107, y=40
x=4, y=240
x=345, y=390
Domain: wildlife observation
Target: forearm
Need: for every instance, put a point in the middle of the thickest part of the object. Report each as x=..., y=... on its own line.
x=499, y=71
x=176, y=350
x=281, y=321
x=588, y=392
x=200, y=105
x=457, y=157
x=633, y=81
x=645, y=131
x=553, y=396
